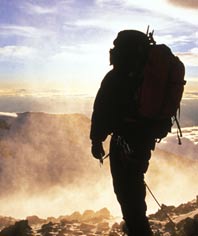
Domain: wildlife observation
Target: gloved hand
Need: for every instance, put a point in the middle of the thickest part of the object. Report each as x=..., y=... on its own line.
x=97, y=150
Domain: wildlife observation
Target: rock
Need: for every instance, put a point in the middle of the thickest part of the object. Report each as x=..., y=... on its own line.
x=76, y=216
x=46, y=228
x=115, y=226
x=161, y=213
x=52, y=219
x=88, y=215
x=103, y=213
x=86, y=227
x=188, y=227
x=103, y=227
x=165, y=234
x=6, y=221
x=113, y=233
x=170, y=227
x=20, y=228
x=34, y=220
x=116, y=229
x=184, y=208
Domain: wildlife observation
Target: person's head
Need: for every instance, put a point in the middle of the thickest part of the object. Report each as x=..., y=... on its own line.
x=130, y=50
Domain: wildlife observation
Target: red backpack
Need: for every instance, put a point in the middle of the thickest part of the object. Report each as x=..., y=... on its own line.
x=163, y=85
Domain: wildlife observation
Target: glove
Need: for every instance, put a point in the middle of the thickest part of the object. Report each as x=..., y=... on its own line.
x=97, y=150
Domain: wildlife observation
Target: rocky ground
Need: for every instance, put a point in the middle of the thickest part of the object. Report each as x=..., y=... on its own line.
x=176, y=221
x=168, y=221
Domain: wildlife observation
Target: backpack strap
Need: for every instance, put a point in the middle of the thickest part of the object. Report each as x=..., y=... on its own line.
x=179, y=132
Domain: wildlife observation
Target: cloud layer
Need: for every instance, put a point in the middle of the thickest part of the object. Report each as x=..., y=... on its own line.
x=185, y=3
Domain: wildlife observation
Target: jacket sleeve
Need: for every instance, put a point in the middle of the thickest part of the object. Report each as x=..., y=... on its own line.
x=101, y=116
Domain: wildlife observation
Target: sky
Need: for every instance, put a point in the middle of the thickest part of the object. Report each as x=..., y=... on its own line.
x=64, y=44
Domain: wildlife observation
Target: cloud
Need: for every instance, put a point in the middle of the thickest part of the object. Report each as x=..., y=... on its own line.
x=104, y=3
x=185, y=3
x=189, y=113
x=189, y=58
x=51, y=101
x=19, y=52
x=182, y=43
x=191, y=90
x=171, y=39
x=191, y=95
x=59, y=30
x=37, y=9
x=36, y=167
x=141, y=3
x=189, y=147
x=23, y=31
x=8, y=114
x=85, y=31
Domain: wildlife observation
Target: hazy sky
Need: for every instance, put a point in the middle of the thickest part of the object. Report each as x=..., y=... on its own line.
x=65, y=43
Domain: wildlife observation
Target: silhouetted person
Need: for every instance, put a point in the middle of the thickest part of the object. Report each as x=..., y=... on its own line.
x=116, y=113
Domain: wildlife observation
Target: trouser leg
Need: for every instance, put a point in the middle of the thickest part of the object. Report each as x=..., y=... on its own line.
x=129, y=187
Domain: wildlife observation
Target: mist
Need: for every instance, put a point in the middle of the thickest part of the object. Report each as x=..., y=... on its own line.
x=61, y=102
x=172, y=178
x=56, y=102
x=45, y=159
x=47, y=169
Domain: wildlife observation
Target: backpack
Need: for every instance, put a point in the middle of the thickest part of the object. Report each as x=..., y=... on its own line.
x=162, y=88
